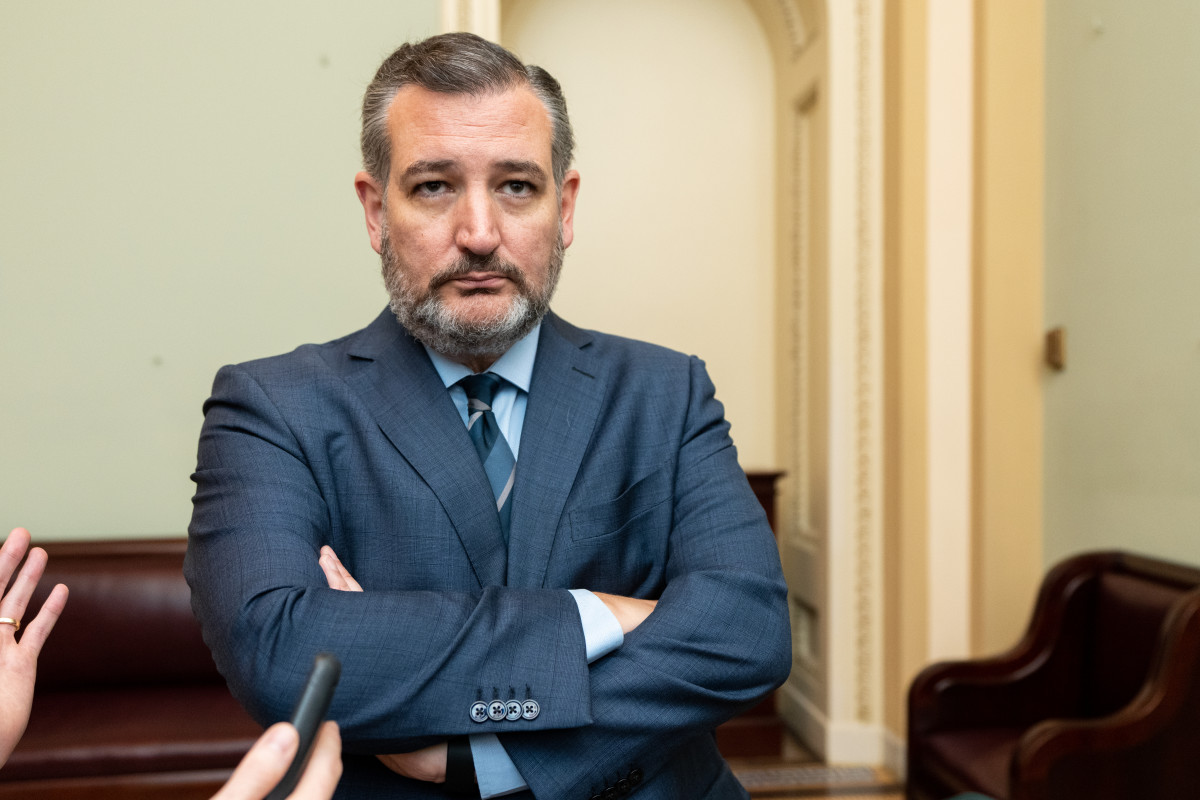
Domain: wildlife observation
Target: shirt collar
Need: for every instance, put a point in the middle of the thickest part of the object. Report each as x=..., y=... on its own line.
x=515, y=366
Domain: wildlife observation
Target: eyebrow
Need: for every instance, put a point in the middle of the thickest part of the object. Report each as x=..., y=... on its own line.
x=423, y=167
x=531, y=168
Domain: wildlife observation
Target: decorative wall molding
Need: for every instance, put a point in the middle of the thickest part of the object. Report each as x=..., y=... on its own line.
x=853, y=557
x=800, y=32
x=800, y=339
x=834, y=376
x=868, y=415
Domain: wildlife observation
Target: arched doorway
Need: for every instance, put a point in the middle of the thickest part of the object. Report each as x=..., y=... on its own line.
x=806, y=97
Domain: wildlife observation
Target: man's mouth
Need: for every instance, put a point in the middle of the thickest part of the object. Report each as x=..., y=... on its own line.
x=476, y=281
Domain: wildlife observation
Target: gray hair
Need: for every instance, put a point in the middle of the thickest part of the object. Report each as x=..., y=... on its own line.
x=458, y=63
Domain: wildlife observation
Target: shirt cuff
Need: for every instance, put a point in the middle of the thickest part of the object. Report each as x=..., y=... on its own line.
x=601, y=631
x=494, y=770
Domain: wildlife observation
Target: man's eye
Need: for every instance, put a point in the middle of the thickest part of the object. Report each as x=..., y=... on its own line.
x=431, y=187
x=518, y=188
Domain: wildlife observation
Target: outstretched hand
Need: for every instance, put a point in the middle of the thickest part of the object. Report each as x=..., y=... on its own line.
x=18, y=656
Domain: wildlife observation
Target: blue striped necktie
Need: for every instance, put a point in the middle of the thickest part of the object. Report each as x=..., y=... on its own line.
x=497, y=458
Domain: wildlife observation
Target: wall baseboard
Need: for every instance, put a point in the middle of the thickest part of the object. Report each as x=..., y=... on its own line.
x=895, y=752
x=803, y=719
x=837, y=742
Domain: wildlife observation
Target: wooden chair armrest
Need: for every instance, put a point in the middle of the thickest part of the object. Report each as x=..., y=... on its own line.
x=1024, y=684
x=1107, y=757
x=975, y=694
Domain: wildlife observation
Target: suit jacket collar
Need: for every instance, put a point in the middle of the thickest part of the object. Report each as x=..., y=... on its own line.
x=415, y=412
x=404, y=393
x=565, y=397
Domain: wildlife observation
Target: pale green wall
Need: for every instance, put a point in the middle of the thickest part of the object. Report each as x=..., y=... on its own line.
x=175, y=194
x=1123, y=276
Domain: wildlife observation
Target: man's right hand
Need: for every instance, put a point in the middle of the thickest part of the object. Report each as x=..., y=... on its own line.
x=336, y=575
x=629, y=611
x=427, y=764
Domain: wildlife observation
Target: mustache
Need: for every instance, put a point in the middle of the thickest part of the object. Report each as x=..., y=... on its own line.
x=473, y=262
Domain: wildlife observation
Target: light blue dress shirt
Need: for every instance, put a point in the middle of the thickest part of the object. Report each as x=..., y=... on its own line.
x=495, y=771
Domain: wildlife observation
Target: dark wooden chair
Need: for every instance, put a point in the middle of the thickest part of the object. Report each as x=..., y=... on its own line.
x=1100, y=699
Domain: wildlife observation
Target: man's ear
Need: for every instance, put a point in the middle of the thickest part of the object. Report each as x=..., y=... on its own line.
x=370, y=194
x=570, y=191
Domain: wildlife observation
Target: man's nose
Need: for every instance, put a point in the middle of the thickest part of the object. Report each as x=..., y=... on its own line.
x=477, y=227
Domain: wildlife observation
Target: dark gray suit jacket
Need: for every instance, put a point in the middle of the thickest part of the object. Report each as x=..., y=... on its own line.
x=627, y=483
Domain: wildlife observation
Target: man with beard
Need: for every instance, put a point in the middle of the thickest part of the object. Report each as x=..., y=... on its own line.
x=530, y=545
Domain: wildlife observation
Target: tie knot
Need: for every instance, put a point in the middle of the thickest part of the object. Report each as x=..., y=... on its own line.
x=481, y=387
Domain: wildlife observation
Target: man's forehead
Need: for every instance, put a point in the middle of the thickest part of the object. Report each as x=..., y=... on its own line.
x=434, y=124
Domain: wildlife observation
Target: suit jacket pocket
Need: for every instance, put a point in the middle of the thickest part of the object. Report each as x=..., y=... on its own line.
x=626, y=510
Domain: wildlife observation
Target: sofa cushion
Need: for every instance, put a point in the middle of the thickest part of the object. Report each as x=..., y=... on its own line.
x=121, y=731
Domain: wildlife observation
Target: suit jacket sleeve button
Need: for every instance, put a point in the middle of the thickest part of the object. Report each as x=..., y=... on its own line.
x=530, y=709
x=610, y=794
x=497, y=710
x=479, y=711
x=624, y=786
x=635, y=776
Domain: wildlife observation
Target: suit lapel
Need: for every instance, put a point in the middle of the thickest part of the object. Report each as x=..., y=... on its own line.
x=405, y=395
x=565, y=396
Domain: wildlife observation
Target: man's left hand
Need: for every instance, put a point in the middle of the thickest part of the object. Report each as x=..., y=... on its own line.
x=427, y=764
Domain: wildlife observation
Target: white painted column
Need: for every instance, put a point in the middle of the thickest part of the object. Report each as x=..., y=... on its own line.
x=949, y=188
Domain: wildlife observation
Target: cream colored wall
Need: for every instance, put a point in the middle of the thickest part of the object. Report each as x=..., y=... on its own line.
x=672, y=103
x=175, y=194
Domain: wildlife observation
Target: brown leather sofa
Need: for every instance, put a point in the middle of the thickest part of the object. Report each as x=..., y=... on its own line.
x=128, y=702
x=1099, y=700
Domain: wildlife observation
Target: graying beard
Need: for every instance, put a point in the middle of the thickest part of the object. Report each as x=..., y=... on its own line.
x=432, y=324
